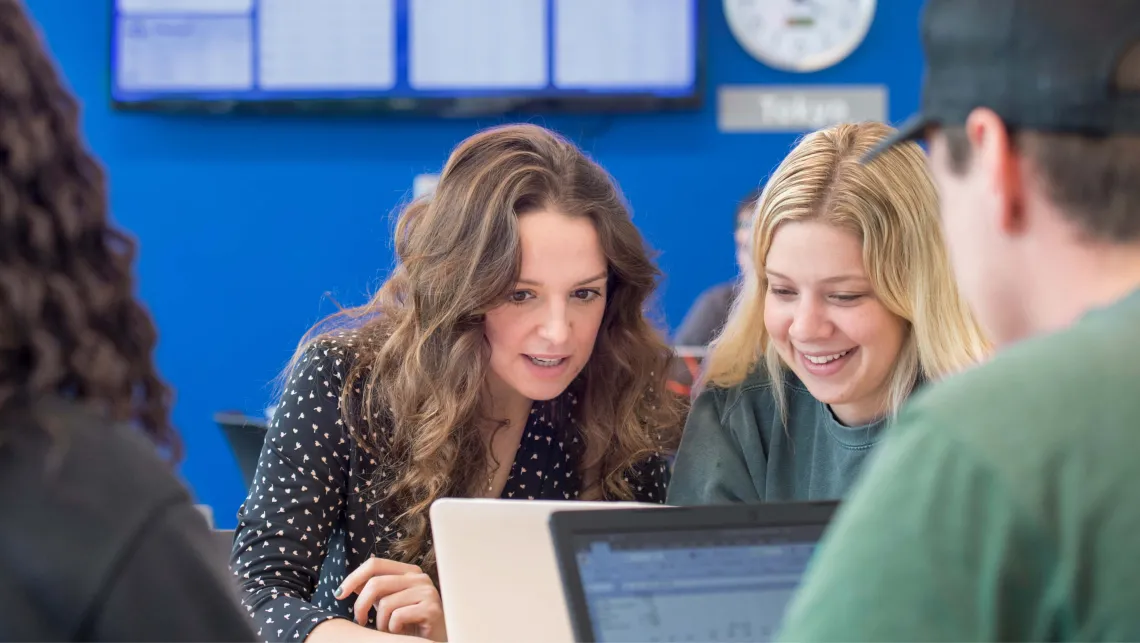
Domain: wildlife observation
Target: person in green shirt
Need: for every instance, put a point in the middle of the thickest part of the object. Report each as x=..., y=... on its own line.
x=1005, y=503
x=849, y=306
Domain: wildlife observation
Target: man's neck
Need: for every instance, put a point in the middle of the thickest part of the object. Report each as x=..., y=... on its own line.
x=1080, y=279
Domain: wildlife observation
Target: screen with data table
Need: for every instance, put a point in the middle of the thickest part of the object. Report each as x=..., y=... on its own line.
x=445, y=57
x=730, y=585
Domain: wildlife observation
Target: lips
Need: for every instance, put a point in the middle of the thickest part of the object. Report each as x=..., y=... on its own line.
x=547, y=361
x=824, y=359
x=822, y=364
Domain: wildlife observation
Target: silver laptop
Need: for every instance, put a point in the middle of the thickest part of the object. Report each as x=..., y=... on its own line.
x=497, y=574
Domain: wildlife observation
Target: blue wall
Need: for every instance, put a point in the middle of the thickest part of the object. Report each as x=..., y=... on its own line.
x=245, y=223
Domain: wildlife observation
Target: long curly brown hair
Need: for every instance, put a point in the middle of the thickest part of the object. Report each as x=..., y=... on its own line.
x=413, y=393
x=70, y=325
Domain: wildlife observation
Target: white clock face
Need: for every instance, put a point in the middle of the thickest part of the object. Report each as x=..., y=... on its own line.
x=799, y=35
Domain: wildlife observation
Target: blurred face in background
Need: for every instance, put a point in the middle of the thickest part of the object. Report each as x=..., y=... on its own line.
x=743, y=238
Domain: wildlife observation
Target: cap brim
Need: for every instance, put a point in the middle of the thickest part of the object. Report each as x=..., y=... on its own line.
x=913, y=129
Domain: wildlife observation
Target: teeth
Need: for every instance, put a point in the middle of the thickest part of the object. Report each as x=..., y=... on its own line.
x=538, y=361
x=826, y=358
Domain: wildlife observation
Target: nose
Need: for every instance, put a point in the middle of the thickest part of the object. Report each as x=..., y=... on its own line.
x=555, y=327
x=809, y=322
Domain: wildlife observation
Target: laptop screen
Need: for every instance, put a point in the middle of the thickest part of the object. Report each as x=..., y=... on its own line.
x=697, y=585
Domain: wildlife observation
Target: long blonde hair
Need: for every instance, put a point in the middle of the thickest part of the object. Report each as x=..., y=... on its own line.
x=892, y=205
x=412, y=396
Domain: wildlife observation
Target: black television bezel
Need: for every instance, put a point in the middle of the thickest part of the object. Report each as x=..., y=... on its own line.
x=453, y=107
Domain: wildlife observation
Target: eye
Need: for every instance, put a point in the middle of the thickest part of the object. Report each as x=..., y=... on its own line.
x=520, y=296
x=586, y=294
x=847, y=298
x=781, y=292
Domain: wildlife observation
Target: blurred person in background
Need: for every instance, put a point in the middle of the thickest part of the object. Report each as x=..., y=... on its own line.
x=99, y=540
x=709, y=312
x=507, y=356
x=850, y=307
x=1005, y=504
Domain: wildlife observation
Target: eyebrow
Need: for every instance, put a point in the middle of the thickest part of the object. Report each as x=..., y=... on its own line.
x=829, y=280
x=602, y=275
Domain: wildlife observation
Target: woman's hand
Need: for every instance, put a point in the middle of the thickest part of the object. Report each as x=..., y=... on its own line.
x=405, y=599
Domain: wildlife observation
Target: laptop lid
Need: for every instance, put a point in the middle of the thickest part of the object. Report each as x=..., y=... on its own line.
x=714, y=573
x=497, y=575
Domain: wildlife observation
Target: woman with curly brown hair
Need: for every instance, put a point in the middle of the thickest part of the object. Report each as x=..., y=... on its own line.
x=99, y=540
x=507, y=356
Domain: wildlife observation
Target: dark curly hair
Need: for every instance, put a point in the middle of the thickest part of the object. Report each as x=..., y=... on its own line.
x=70, y=325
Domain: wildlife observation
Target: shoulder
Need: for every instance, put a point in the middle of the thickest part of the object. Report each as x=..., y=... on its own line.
x=80, y=456
x=1050, y=408
x=722, y=294
x=706, y=316
x=323, y=366
x=715, y=301
x=725, y=292
x=1039, y=382
x=71, y=473
x=329, y=389
x=333, y=353
x=757, y=392
x=723, y=399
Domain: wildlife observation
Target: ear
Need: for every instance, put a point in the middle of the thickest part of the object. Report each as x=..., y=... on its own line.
x=998, y=164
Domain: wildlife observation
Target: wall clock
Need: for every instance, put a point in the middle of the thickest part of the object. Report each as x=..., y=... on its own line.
x=800, y=35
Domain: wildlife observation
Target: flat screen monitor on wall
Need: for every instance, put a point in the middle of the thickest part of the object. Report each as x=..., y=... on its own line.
x=440, y=57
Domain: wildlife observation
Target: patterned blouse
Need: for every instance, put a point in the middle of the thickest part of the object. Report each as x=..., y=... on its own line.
x=307, y=521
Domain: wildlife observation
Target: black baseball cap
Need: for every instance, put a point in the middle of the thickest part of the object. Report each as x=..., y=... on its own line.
x=1041, y=65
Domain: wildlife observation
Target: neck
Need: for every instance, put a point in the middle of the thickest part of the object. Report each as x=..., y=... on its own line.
x=1075, y=280
x=856, y=415
x=503, y=404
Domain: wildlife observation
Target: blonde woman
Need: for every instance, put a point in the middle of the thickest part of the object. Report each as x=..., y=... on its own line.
x=850, y=307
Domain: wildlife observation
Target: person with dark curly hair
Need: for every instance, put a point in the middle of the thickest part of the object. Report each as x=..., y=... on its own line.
x=99, y=540
x=508, y=356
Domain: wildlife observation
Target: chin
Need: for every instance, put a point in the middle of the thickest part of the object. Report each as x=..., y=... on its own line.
x=829, y=396
x=830, y=393
x=542, y=392
x=543, y=386
x=539, y=390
